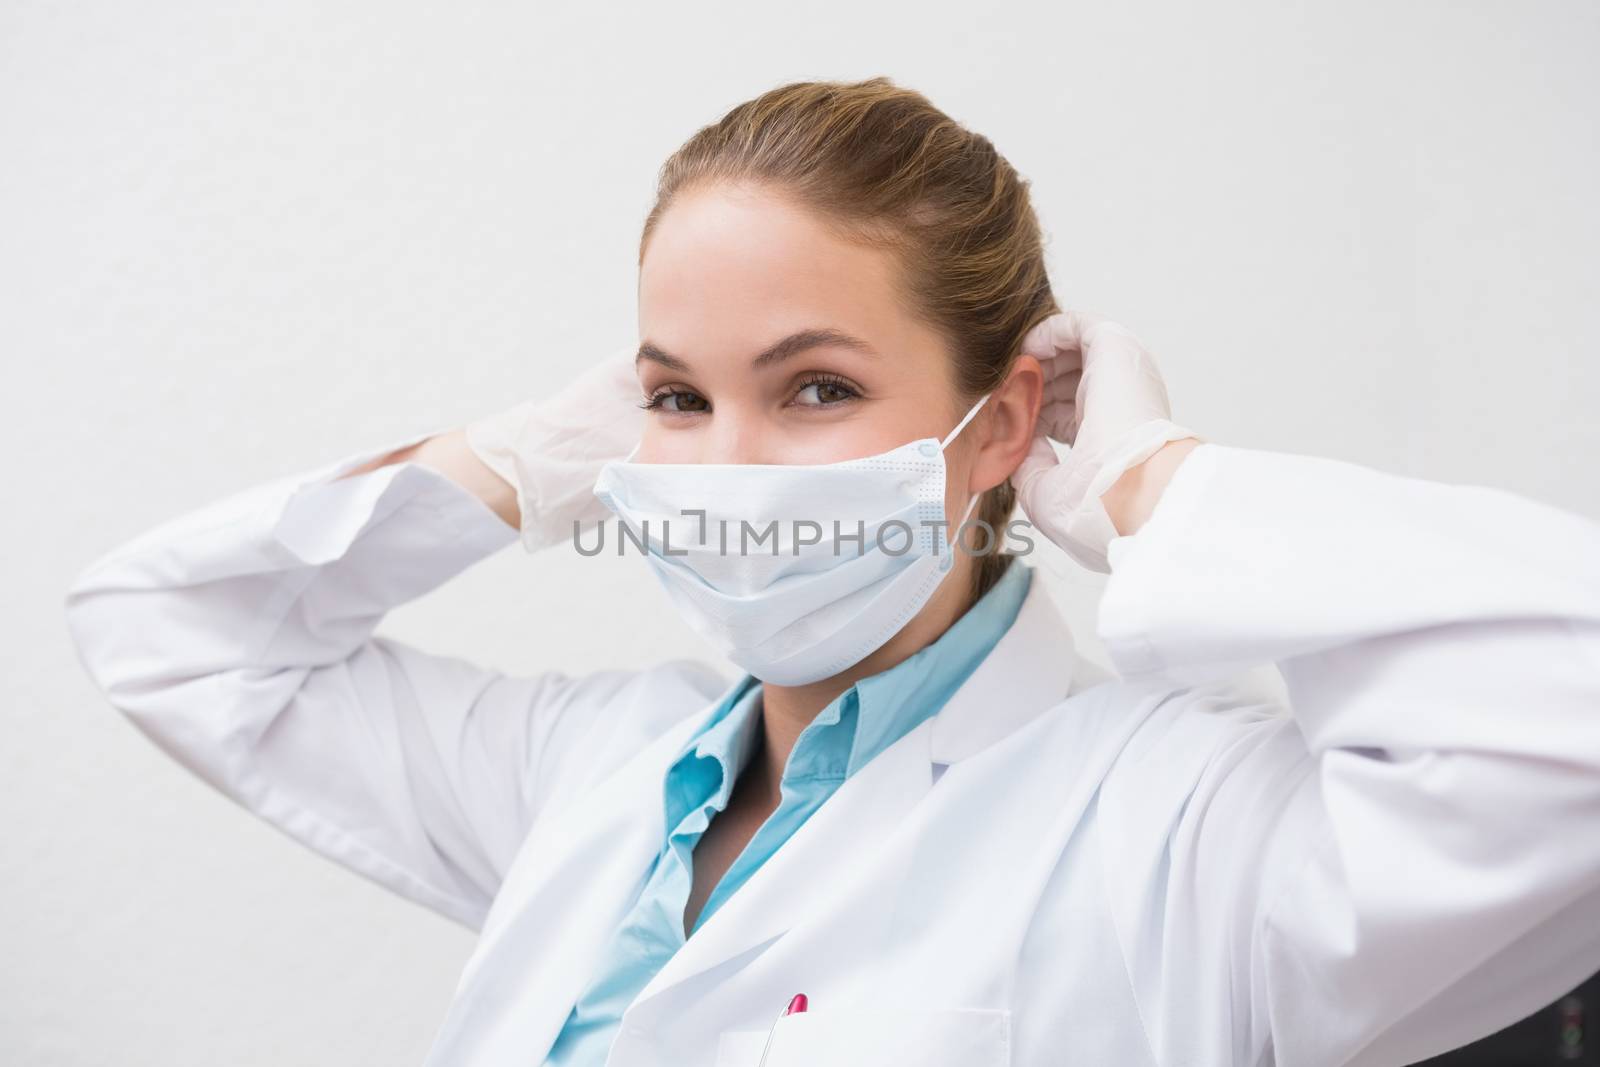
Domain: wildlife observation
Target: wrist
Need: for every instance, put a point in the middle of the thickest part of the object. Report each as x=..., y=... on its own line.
x=450, y=455
x=1132, y=498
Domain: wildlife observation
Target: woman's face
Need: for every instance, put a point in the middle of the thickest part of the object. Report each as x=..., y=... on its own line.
x=767, y=339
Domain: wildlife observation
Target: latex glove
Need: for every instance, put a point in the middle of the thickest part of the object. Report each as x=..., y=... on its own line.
x=1104, y=397
x=551, y=449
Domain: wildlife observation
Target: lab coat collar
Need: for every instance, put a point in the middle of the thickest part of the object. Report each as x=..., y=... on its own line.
x=1029, y=671
x=539, y=945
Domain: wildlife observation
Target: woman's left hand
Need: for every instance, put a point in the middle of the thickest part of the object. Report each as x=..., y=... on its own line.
x=1105, y=399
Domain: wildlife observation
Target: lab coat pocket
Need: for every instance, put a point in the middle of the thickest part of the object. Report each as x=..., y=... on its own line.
x=857, y=1037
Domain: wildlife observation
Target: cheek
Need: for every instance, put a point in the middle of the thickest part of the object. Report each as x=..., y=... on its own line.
x=835, y=441
x=773, y=442
x=660, y=444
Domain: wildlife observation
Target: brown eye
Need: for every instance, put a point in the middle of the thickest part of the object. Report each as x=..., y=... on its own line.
x=825, y=392
x=678, y=401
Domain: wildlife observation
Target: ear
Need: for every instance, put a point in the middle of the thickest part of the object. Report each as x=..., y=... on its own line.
x=1008, y=431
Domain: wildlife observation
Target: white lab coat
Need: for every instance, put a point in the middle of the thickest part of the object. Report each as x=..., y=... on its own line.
x=1060, y=867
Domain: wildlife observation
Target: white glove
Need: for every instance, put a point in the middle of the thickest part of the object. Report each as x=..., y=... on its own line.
x=551, y=449
x=1105, y=399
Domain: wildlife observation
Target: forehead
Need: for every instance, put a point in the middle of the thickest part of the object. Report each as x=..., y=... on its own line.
x=736, y=265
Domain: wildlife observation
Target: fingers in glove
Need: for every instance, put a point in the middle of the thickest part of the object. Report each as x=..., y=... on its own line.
x=1062, y=334
x=1058, y=411
x=1063, y=387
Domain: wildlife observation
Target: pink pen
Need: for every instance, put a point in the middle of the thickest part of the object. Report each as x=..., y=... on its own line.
x=797, y=1004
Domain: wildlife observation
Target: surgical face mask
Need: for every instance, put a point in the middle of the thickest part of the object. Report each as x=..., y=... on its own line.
x=793, y=571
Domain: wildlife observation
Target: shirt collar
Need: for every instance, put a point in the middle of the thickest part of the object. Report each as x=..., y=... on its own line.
x=709, y=763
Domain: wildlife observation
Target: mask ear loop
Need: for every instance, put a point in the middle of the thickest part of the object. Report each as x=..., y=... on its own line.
x=951, y=436
x=955, y=533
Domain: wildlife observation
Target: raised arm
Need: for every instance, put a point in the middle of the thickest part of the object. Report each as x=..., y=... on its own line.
x=1407, y=857
x=241, y=639
x=1411, y=859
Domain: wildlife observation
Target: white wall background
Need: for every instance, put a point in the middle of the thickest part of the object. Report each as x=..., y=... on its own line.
x=241, y=240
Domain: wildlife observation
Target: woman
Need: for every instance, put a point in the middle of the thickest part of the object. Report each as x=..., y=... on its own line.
x=918, y=807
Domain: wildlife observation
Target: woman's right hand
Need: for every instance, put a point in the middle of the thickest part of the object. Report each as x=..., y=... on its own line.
x=549, y=450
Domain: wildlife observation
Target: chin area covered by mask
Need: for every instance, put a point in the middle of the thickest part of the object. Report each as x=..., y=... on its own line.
x=793, y=571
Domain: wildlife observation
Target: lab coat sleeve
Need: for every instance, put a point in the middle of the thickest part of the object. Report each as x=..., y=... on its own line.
x=1407, y=857
x=240, y=639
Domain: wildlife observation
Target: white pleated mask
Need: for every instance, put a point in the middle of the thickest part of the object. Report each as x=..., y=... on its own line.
x=809, y=598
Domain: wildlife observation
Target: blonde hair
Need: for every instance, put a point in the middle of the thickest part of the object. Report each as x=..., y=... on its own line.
x=882, y=165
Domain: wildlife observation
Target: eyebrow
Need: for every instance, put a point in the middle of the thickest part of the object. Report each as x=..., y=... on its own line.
x=792, y=345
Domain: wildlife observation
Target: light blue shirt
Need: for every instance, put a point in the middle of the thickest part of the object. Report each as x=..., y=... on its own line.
x=861, y=722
